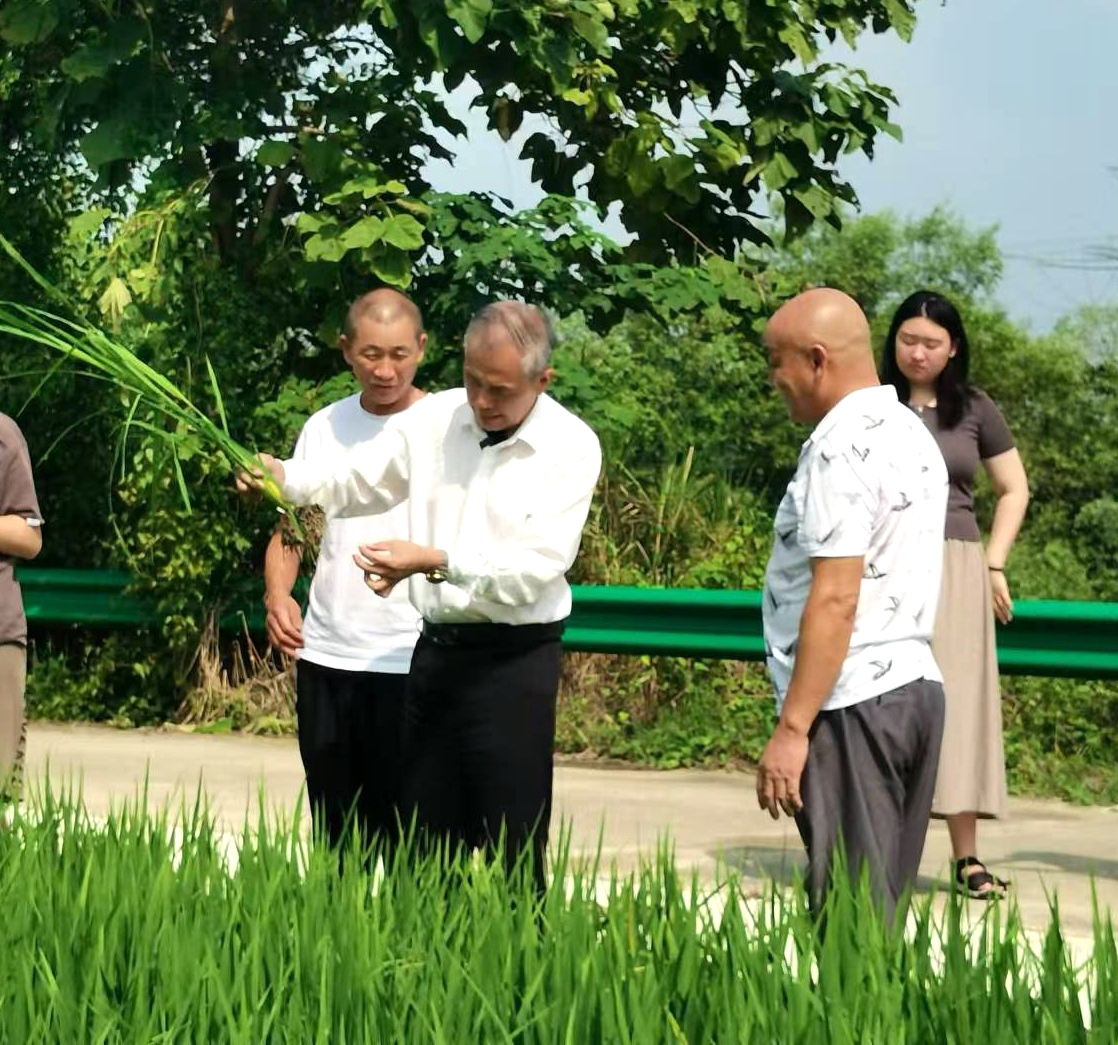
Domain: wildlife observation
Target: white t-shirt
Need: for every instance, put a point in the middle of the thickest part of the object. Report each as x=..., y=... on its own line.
x=871, y=483
x=346, y=625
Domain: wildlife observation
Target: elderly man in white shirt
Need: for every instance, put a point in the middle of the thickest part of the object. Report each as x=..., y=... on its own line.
x=849, y=604
x=498, y=480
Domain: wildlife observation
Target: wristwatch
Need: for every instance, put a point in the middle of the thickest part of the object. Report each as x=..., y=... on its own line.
x=439, y=574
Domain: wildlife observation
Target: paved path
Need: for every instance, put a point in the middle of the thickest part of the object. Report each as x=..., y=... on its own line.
x=1042, y=846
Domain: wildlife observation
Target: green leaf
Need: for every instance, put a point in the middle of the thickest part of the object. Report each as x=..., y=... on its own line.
x=275, y=153
x=93, y=60
x=326, y=246
x=364, y=233
x=679, y=173
x=307, y=222
x=27, y=21
x=367, y=186
x=322, y=158
x=471, y=16
x=88, y=222
x=577, y=95
x=798, y=41
x=902, y=18
x=778, y=172
x=219, y=402
x=112, y=139
x=391, y=265
x=403, y=231
x=816, y=200
x=592, y=30
x=642, y=175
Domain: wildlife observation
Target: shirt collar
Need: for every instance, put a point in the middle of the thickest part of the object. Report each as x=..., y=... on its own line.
x=531, y=429
x=874, y=397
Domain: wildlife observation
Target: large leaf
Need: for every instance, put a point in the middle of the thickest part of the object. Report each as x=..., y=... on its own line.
x=403, y=231
x=364, y=233
x=94, y=59
x=275, y=153
x=328, y=245
x=391, y=265
x=112, y=139
x=27, y=21
x=471, y=15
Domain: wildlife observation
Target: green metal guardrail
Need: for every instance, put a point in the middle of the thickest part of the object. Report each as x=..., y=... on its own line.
x=1052, y=638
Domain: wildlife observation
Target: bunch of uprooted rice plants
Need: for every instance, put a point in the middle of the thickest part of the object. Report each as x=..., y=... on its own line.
x=141, y=928
x=91, y=351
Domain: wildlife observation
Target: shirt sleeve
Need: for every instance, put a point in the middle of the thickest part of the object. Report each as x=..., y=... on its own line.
x=17, y=485
x=369, y=480
x=994, y=436
x=839, y=506
x=519, y=572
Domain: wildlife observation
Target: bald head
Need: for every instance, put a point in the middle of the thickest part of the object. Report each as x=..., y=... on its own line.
x=383, y=305
x=819, y=351
x=824, y=317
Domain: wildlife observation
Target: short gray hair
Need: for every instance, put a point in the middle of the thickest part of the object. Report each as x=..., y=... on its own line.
x=527, y=325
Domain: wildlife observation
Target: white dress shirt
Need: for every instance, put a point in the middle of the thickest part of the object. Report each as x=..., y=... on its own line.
x=871, y=483
x=509, y=516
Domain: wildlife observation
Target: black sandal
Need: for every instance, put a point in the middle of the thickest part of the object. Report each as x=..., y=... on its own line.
x=980, y=884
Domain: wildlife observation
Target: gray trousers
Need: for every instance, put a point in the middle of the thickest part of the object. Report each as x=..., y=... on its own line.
x=869, y=781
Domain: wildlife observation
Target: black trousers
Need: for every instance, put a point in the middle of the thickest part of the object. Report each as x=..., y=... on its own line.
x=479, y=739
x=350, y=738
x=869, y=780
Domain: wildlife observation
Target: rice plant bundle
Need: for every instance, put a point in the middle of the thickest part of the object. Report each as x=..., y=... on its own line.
x=87, y=345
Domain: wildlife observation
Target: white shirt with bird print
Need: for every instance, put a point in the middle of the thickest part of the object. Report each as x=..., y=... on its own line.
x=871, y=483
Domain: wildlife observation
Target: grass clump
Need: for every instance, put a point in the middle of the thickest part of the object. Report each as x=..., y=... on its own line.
x=148, y=928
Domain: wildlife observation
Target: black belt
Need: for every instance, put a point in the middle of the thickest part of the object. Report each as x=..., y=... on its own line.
x=486, y=633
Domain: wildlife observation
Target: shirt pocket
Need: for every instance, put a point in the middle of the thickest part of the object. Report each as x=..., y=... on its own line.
x=514, y=490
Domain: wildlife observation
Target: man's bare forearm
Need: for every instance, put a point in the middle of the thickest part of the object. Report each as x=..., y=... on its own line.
x=281, y=567
x=825, y=629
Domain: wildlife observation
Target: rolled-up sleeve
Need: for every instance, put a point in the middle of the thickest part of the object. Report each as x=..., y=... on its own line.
x=519, y=571
x=371, y=479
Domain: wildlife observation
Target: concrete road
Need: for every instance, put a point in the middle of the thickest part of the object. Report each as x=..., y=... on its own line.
x=1045, y=847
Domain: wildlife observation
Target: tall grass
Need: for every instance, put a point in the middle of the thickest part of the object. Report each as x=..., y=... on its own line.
x=90, y=349
x=139, y=930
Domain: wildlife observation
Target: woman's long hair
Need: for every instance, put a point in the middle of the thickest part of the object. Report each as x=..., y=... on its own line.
x=952, y=389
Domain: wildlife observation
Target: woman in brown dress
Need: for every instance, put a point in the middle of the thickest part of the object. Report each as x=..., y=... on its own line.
x=925, y=359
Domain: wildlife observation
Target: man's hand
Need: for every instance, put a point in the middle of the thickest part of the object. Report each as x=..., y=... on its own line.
x=386, y=563
x=248, y=484
x=284, y=623
x=779, y=771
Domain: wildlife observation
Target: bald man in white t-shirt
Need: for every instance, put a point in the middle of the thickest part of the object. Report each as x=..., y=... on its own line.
x=353, y=649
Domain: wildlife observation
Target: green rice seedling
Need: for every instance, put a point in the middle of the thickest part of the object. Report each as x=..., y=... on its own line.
x=137, y=928
x=85, y=345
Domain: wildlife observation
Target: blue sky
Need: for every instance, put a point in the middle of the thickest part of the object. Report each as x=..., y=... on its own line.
x=1010, y=117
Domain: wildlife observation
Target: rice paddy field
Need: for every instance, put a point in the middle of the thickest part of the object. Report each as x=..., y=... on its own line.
x=149, y=927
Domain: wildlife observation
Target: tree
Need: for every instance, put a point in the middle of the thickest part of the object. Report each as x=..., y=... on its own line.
x=686, y=112
x=881, y=258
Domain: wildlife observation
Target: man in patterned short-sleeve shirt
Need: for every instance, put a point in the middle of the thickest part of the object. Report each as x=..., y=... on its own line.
x=849, y=603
